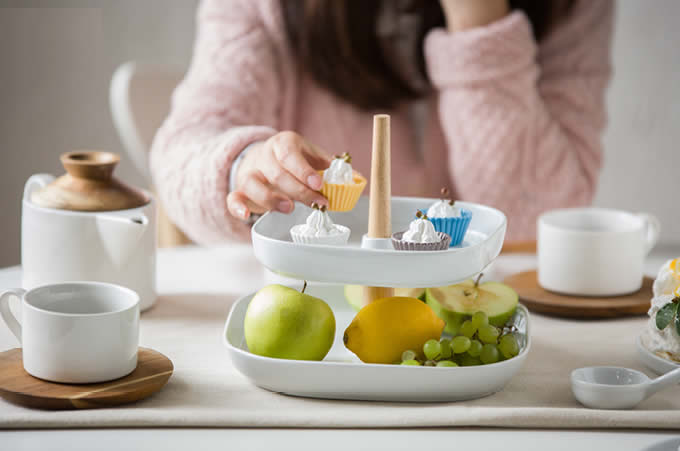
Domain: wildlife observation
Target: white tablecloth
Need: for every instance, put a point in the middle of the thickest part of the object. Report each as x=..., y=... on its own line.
x=197, y=288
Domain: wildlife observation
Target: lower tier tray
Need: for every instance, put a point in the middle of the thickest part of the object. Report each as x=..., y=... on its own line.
x=353, y=264
x=342, y=376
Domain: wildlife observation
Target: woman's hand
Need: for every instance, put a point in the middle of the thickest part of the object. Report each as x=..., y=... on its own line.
x=464, y=14
x=277, y=172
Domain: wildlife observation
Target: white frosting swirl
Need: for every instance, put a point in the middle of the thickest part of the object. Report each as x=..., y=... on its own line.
x=421, y=231
x=318, y=224
x=668, y=279
x=666, y=340
x=339, y=173
x=442, y=209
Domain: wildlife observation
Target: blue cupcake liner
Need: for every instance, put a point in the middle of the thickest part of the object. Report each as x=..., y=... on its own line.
x=454, y=227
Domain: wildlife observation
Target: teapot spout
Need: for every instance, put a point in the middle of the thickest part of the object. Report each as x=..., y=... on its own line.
x=121, y=234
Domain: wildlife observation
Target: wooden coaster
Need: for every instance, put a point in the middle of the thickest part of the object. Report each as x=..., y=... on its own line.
x=539, y=300
x=17, y=386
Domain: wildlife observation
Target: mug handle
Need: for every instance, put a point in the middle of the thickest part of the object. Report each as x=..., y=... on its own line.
x=6, y=313
x=653, y=230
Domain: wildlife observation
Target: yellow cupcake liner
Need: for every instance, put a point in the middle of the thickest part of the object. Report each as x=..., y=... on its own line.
x=343, y=197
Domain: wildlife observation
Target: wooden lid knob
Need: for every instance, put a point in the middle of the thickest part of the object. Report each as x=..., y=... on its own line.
x=89, y=185
x=93, y=165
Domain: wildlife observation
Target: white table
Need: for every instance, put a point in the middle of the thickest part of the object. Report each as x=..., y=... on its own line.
x=210, y=270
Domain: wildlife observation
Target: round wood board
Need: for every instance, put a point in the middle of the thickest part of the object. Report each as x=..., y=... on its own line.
x=539, y=300
x=17, y=386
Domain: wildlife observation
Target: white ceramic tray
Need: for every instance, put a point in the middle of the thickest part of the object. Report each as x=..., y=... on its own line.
x=342, y=376
x=652, y=361
x=353, y=264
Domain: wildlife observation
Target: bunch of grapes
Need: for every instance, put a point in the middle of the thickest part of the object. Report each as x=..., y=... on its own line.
x=477, y=343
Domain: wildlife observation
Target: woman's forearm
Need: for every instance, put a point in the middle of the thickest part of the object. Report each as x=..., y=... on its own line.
x=465, y=14
x=521, y=138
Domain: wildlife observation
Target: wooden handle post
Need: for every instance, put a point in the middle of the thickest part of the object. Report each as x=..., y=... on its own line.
x=379, y=210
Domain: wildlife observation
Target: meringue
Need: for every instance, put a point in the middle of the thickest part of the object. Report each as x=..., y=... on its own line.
x=421, y=230
x=339, y=173
x=443, y=209
x=664, y=341
x=318, y=224
x=668, y=279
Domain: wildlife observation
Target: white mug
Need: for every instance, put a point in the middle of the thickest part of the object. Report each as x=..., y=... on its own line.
x=76, y=332
x=594, y=251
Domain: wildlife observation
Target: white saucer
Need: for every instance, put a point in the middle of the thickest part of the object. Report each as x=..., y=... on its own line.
x=652, y=361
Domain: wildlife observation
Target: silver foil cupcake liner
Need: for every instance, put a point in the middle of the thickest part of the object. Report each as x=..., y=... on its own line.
x=402, y=245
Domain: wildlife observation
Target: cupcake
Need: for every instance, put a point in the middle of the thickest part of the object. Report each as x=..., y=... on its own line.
x=341, y=185
x=319, y=229
x=420, y=236
x=661, y=336
x=448, y=218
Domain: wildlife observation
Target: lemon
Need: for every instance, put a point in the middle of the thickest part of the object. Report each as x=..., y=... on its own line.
x=386, y=327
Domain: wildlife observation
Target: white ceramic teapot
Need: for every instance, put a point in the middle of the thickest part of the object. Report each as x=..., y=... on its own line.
x=88, y=226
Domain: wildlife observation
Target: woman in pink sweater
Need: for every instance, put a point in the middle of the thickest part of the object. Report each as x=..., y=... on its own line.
x=501, y=101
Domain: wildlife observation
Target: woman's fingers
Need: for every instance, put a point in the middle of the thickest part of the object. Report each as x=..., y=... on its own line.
x=288, y=150
x=317, y=157
x=237, y=203
x=275, y=174
x=287, y=184
x=260, y=192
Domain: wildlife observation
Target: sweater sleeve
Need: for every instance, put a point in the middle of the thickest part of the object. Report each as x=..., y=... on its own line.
x=523, y=122
x=231, y=84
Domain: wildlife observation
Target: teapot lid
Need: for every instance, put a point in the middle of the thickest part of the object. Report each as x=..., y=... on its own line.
x=89, y=185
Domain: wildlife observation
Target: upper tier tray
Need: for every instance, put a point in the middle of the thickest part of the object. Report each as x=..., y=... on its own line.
x=352, y=264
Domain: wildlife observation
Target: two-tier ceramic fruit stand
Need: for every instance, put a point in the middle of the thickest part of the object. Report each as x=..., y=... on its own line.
x=370, y=260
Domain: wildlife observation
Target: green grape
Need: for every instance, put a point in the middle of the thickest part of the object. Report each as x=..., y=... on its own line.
x=411, y=362
x=460, y=344
x=408, y=355
x=489, y=354
x=508, y=346
x=430, y=363
x=468, y=360
x=467, y=329
x=479, y=319
x=488, y=334
x=432, y=349
x=475, y=348
x=446, y=363
x=445, y=351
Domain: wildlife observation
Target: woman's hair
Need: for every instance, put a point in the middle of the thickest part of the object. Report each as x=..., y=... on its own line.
x=338, y=43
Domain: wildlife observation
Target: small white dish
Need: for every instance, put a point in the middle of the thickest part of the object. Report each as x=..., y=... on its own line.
x=608, y=387
x=342, y=376
x=652, y=361
x=354, y=264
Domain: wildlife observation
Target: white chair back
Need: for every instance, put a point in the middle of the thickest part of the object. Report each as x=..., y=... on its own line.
x=140, y=101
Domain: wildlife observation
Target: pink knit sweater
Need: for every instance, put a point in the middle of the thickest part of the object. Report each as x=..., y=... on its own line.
x=513, y=124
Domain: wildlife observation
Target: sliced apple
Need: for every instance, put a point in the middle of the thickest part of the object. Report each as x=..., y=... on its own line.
x=353, y=294
x=456, y=303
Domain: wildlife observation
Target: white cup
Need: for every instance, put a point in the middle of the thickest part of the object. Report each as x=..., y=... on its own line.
x=594, y=251
x=77, y=332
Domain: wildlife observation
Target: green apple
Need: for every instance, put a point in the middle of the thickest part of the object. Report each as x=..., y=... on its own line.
x=456, y=303
x=287, y=324
x=353, y=294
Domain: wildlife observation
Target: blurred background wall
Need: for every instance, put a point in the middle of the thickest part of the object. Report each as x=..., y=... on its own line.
x=57, y=57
